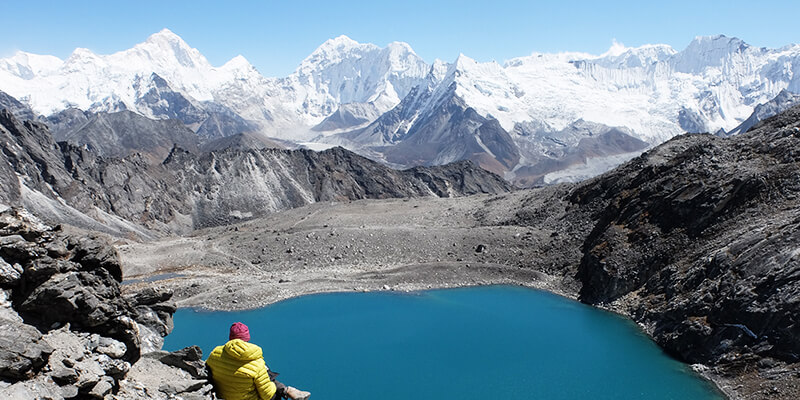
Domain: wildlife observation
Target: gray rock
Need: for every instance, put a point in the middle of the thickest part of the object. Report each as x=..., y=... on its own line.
x=149, y=296
x=38, y=388
x=20, y=110
x=69, y=391
x=92, y=252
x=189, y=191
x=704, y=231
x=102, y=388
x=112, y=367
x=189, y=359
x=64, y=376
x=182, y=386
x=22, y=351
x=119, y=134
x=6, y=310
x=87, y=299
x=9, y=274
x=111, y=348
x=14, y=248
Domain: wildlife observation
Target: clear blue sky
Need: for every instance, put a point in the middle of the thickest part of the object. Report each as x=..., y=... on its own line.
x=275, y=35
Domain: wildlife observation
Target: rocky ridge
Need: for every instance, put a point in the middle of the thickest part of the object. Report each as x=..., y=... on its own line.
x=697, y=241
x=68, y=331
x=65, y=183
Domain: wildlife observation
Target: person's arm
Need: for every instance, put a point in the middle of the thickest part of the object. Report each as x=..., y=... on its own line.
x=266, y=388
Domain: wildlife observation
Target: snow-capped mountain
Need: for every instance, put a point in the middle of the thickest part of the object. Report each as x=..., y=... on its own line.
x=649, y=93
x=389, y=104
x=165, y=78
x=717, y=79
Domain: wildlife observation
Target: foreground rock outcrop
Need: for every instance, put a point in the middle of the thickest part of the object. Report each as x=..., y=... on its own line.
x=66, y=330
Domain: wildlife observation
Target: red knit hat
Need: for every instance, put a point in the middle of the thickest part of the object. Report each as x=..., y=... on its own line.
x=239, y=331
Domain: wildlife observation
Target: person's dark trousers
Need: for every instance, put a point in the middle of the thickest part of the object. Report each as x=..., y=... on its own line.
x=280, y=393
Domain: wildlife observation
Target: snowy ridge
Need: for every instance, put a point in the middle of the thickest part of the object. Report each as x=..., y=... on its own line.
x=340, y=71
x=653, y=91
x=717, y=78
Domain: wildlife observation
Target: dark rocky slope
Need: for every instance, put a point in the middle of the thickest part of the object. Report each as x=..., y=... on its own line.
x=698, y=241
x=65, y=183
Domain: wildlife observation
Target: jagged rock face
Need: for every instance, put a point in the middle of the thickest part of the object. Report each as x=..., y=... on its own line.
x=63, y=281
x=221, y=122
x=188, y=191
x=66, y=284
x=697, y=240
x=236, y=185
x=157, y=99
x=65, y=121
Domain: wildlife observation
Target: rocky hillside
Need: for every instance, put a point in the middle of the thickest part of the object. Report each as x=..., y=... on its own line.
x=65, y=183
x=698, y=241
x=67, y=330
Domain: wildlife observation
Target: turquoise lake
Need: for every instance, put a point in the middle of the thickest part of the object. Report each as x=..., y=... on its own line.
x=493, y=342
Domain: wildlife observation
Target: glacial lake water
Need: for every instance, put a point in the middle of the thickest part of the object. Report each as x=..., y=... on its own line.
x=493, y=342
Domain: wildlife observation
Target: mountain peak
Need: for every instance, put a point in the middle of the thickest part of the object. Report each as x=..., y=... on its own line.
x=333, y=51
x=708, y=51
x=463, y=61
x=80, y=53
x=164, y=35
x=341, y=40
x=337, y=45
x=621, y=56
x=239, y=60
x=28, y=65
x=400, y=46
x=616, y=49
x=165, y=48
x=165, y=40
x=717, y=42
x=237, y=63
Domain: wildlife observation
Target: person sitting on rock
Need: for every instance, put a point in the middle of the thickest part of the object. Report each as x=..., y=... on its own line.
x=239, y=372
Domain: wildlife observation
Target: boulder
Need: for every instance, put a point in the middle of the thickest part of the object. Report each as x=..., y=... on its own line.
x=9, y=274
x=110, y=347
x=64, y=376
x=182, y=386
x=22, y=351
x=189, y=359
x=102, y=388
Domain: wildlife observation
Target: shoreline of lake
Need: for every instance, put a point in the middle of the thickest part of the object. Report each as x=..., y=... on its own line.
x=249, y=315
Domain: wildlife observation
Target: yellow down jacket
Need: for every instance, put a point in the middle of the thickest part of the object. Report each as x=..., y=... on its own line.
x=239, y=372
